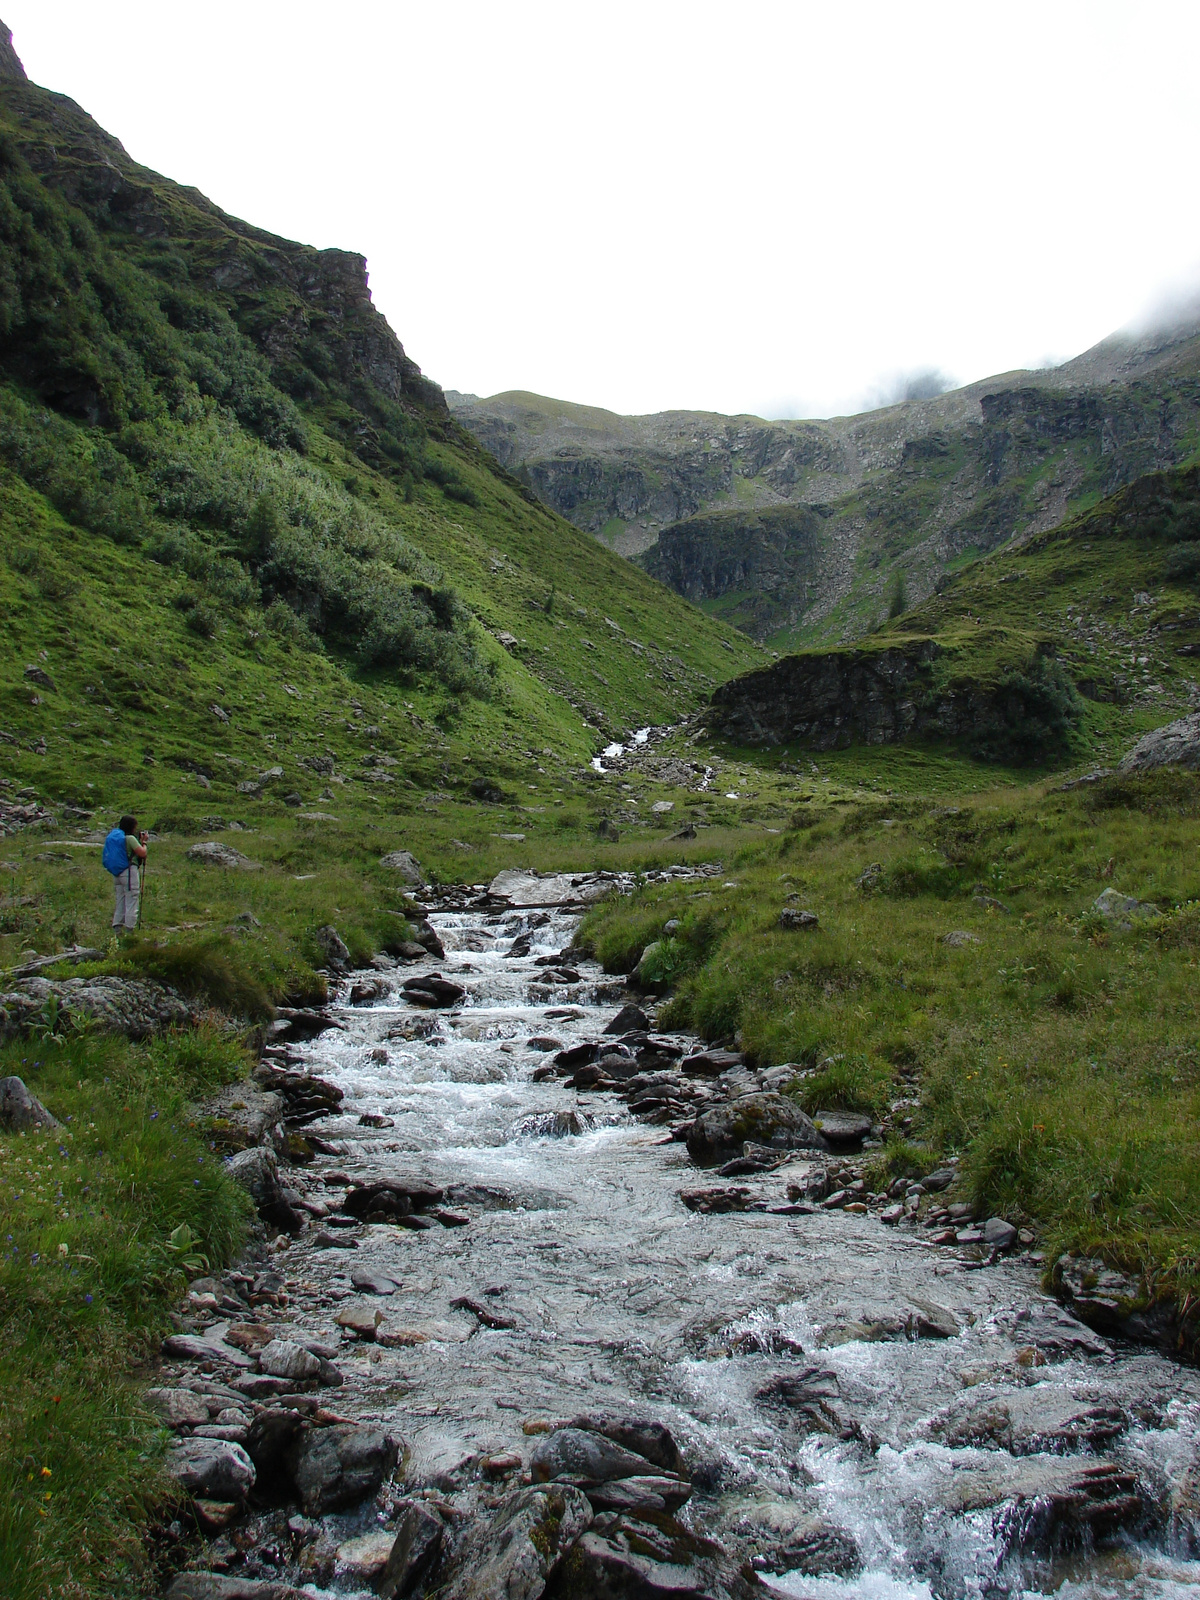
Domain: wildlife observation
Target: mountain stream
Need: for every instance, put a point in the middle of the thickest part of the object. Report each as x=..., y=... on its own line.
x=863, y=1414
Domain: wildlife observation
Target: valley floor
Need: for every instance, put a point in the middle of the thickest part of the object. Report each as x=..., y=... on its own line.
x=960, y=986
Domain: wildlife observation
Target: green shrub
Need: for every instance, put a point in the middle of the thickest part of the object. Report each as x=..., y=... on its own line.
x=93, y=1213
x=1182, y=562
x=1030, y=714
x=202, y=620
x=914, y=875
x=852, y=1082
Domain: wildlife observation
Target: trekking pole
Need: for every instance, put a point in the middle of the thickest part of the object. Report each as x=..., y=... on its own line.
x=142, y=891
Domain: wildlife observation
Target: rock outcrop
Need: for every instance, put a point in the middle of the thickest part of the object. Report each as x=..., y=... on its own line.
x=135, y=1007
x=836, y=698
x=1177, y=744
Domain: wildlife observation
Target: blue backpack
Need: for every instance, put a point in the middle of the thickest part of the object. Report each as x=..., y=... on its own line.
x=116, y=854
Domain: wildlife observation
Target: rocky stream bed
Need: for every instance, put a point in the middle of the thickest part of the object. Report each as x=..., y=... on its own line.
x=561, y=1310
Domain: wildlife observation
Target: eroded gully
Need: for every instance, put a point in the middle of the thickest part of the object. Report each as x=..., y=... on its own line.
x=1020, y=1452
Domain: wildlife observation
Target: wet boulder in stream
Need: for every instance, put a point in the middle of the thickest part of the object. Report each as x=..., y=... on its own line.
x=629, y=1019
x=341, y=1465
x=514, y=1555
x=431, y=989
x=659, y=1559
x=652, y=1440
x=414, y=1554
x=386, y=1198
x=578, y=1453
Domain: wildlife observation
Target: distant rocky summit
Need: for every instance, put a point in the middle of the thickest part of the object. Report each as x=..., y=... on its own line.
x=803, y=532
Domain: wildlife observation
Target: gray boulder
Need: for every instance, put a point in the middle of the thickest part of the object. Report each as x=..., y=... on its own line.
x=792, y=919
x=576, y=1453
x=334, y=949
x=414, y=1554
x=767, y=1119
x=1123, y=910
x=842, y=1128
x=645, y=1438
x=212, y=1469
x=284, y=1358
x=212, y=854
x=19, y=1109
x=514, y=1555
x=636, y=1560
x=407, y=865
x=135, y=1007
x=1177, y=744
x=179, y=1408
x=339, y=1466
x=629, y=1019
x=257, y=1171
x=998, y=1233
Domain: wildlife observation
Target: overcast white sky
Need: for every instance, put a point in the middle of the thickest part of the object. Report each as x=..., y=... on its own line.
x=760, y=206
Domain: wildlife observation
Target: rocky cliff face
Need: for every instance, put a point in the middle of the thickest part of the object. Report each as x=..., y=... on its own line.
x=879, y=696
x=836, y=699
x=10, y=62
x=759, y=570
x=308, y=311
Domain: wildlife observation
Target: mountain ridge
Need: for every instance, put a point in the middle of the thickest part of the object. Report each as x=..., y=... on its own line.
x=905, y=491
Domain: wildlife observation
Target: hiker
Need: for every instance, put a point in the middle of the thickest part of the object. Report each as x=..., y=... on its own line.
x=124, y=847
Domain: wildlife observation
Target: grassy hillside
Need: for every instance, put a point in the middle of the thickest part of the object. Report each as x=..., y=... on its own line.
x=229, y=408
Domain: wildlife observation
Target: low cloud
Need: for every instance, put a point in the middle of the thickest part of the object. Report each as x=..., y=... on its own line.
x=925, y=383
x=1175, y=307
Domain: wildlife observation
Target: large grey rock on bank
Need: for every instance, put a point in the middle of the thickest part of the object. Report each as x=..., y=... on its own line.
x=212, y=854
x=135, y=1007
x=768, y=1119
x=339, y=1466
x=334, y=948
x=179, y=1408
x=212, y=1469
x=247, y=1115
x=257, y=1171
x=19, y=1109
x=1177, y=744
x=407, y=865
x=512, y=1556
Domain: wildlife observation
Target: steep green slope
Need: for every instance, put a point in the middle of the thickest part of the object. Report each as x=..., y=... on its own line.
x=1088, y=626
x=231, y=408
x=905, y=494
